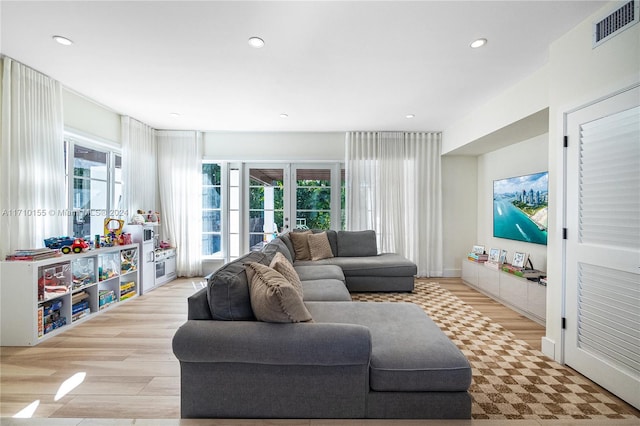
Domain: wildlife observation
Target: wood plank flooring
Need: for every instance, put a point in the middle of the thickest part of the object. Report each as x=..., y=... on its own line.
x=523, y=328
x=130, y=369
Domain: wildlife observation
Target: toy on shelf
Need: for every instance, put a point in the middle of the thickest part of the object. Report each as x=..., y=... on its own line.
x=59, y=243
x=128, y=261
x=153, y=216
x=66, y=244
x=108, y=266
x=53, y=281
x=112, y=225
x=82, y=273
x=79, y=245
x=81, y=280
x=47, y=280
x=165, y=244
x=138, y=218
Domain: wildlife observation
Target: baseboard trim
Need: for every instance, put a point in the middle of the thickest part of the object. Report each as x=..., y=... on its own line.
x=452, y=273
x=549, y=347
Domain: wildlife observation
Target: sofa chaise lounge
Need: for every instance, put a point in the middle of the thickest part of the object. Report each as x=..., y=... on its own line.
x=354, y=360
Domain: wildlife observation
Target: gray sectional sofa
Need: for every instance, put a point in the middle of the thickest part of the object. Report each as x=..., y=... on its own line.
x=356, y=254
x=354, y=360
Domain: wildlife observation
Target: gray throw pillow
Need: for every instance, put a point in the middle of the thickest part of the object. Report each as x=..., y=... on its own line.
x=286, y=239
x=357, y=243
x=277, y=246
x=228, y=290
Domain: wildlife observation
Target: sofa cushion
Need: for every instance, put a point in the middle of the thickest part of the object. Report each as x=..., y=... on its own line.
x=300, y=245
x=319, y=272
x=273, y=298
x=357, y=243
x=319, y=247
x=228, y=289
x=325, y=290
x=409, y=351
x=382, y=265
x=285, y=268
x=286, y=239
x=277, y=246
x=333, y=240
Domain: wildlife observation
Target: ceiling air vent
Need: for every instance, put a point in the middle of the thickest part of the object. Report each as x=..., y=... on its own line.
x=616, y=22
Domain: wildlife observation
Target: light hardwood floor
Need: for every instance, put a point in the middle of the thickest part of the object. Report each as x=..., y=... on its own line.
x=131, y=373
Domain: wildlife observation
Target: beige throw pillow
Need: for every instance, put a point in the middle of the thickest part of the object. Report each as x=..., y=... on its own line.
x=300, y=244
x=273, y=298
x=282, y=265
x=319, y=246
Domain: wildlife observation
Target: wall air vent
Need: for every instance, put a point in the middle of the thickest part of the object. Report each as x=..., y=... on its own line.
x=613, y=24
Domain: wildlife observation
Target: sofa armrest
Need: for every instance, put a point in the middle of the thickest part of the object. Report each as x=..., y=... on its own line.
x=275, y=344
x=198, y=306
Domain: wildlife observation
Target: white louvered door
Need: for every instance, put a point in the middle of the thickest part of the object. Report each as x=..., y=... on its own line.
x=602, y=299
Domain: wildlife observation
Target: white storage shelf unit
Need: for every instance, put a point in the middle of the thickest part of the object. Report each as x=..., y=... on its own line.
x=40, y=299
x=523, y=295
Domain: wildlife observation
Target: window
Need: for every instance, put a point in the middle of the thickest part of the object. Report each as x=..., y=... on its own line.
x=313, y=198
x=94, y=179
x=343, y=198
x=245, y=204
x=211, y=210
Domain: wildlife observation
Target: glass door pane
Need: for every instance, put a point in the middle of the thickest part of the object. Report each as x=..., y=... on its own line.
x=313, y=198
x=266, y=204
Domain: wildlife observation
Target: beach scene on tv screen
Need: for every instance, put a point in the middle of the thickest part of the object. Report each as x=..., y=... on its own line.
x=520, y=208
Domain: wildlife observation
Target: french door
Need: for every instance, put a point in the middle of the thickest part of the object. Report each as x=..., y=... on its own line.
x=285, y=196
x=602, y=278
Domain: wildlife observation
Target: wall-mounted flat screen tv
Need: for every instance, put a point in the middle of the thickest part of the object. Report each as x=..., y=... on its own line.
x=520, y=208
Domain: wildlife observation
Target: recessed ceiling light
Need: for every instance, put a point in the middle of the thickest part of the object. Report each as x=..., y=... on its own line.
x=478, y=43
x=256, y=42
x=174, y=114
x=283, y=115
x=410, y=116
x=62, y=40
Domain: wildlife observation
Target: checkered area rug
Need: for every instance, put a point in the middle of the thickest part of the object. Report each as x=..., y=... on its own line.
x=510, y=379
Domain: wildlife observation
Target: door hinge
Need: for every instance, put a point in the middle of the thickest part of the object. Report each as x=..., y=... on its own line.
x=564, y=323
x=564, y=233
x=566, y=141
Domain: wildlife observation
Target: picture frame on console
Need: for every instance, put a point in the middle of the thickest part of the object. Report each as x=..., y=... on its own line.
x=494, y=255
x=477, y=249
x=519, y=259
x=503, y=256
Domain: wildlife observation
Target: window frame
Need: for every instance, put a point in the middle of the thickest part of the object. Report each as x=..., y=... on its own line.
x=72, y=139
x=223, y=203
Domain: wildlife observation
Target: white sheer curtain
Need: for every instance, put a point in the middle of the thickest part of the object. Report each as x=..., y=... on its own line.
x=139, y=166
x=180, y=181
x=32, y=192
x=394, y=187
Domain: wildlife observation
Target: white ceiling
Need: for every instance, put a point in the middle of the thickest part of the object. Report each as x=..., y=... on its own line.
x=331, y=66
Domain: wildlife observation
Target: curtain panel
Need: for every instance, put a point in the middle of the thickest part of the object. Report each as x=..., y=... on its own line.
x=394, y=187
x=180, y=183
x=32, y=175
x=139, y=165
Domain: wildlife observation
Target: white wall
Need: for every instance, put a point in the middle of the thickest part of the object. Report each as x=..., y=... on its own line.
x=459, y=207
x=89, y=117
x=522, y=100
x=278, y=146
x=578, y=74
x=575, y=74
x=522, y=158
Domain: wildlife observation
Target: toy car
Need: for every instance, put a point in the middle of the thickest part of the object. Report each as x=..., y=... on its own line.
x=66, y=244
x=57, y=243
x=79, y=245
